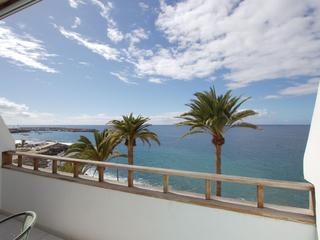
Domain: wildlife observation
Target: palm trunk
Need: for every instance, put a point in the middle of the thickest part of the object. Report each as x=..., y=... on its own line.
x=218, y=168
x=130, y=162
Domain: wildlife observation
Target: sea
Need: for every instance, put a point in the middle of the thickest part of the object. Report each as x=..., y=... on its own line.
x=274, y=152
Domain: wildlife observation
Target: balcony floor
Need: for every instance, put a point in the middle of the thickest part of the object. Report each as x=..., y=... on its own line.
x=8, y=231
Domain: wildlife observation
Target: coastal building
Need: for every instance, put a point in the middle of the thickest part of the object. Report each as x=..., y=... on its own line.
x=74, y=206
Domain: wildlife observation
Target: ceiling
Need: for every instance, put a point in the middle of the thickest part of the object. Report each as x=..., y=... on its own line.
x=3, y=1
x=9, y=7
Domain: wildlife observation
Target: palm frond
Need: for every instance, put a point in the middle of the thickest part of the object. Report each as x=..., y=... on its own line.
x=191, y=133
x=131, y=128
x=245, y=125
x=101, y=150
x=214, y=114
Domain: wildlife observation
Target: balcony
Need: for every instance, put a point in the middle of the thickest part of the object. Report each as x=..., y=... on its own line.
x=76, y=206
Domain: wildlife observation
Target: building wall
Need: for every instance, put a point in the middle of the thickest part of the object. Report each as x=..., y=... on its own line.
x=6, y=144
x=85, y=212
x=312, y=155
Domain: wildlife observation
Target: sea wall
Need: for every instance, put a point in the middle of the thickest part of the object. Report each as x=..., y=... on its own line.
x=6, y=144
x=77, y=211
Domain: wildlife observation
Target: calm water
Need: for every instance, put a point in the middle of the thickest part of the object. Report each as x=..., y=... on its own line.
x=275, y=152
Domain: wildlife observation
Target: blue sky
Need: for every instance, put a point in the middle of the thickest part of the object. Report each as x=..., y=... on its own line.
x=89, y=61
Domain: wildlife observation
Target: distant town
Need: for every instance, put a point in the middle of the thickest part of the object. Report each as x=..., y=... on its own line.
x=49, y=129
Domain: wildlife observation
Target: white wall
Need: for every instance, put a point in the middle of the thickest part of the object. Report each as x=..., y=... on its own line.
x=85, y=212
x=312, y=155
x=6, y=144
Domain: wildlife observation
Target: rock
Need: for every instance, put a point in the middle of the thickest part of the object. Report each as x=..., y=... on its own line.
x=45, y=148
x=53, y=150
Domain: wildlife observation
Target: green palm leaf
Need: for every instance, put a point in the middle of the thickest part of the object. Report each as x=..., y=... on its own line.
x=212, y=113
x=102, y=149
x=130, y=129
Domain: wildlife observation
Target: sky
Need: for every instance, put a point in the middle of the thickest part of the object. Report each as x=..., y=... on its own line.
x=90, y=61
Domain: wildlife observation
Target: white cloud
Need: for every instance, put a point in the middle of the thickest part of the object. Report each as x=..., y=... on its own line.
x=76, y=23
x=6, y=105
x=104, y=8
x=114, y=34
x=143, y=6
x=261, y=112
x=156, y=80
x=104, y=50
x=84, y=63
x=310, y=87
x=263, y=116
x=30, y=118
x=133, y=52
x=251, y=40
x=122, y=78
x=96, y=119
x=20, y=114
x=136, y=35
x=103, y=118
x=165, y=118
x=23, y=50
x=307, y=88
x=272, y=97
x=14, y=113
x=22, y=26
x=75, y=3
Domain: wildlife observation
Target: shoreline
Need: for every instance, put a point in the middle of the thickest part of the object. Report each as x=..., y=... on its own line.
x=19, y=141
x=43, y=146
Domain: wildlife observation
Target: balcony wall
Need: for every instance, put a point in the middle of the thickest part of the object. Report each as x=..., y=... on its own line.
x=6, y=144
x=77, y=211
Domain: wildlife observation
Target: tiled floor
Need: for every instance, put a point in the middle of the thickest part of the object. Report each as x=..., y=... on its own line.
x=8, y=230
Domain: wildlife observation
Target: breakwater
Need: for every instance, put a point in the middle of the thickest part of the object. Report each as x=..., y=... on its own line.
x=49, y=129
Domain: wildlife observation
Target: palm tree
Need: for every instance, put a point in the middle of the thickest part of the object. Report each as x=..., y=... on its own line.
x=129, y=129
x=213, y=114
x=102, y=149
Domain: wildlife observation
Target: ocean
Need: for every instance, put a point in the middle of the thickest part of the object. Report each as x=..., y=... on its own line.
x=275, y=152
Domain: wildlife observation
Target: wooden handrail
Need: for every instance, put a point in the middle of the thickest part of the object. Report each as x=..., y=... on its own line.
x=54, y=166
x=165, y=183
x=75, y=169
x=304, y=186
x=36, y=163
x=260, y=183
x=260, y=196
x=19, y=161
x=101, y=173
x=208, y=189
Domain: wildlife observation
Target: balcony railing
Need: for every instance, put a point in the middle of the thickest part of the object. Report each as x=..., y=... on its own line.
x=258, y=208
